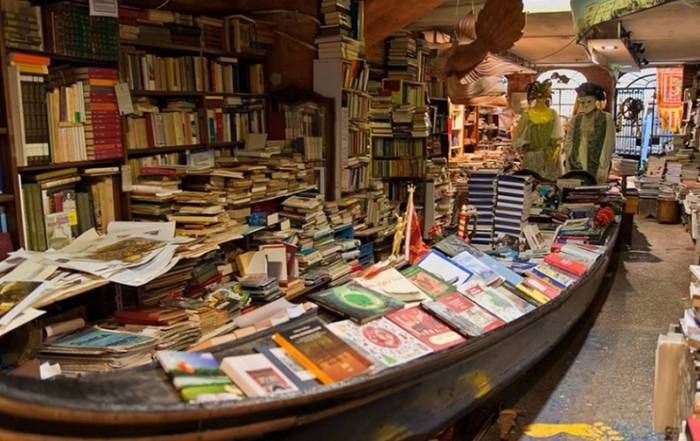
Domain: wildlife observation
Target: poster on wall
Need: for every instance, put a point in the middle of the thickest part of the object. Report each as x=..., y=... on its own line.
x=588, y=13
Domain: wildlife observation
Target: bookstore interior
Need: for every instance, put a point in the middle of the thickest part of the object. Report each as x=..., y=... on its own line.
x=326, y=219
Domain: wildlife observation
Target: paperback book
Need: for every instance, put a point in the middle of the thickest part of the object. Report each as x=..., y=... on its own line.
x=440, y=265
x=256, y=375
x=499, y=302
x=431, y=284
x=417, y=322
x=301, y=377
x=384, y=341
x=356, y=302
x=463, y=315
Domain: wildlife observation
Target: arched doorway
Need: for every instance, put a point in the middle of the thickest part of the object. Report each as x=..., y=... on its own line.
x=564, y=84
x=639, y=85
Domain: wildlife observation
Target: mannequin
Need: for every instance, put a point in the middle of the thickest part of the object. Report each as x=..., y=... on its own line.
x=539, y=133
x=591, y=139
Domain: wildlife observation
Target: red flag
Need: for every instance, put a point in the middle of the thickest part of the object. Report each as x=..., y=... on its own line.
x=415, y=248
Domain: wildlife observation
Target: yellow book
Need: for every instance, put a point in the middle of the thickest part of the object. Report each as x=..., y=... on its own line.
x=534, y=294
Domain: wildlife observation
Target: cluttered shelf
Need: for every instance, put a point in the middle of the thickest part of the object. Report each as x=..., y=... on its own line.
x=191, y=49
x=60, y=165
x=134, y=153
x=195, y=94
x=70, y=59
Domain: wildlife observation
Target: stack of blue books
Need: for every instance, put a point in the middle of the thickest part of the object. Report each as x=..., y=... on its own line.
x=482, y=195
x=513, y=201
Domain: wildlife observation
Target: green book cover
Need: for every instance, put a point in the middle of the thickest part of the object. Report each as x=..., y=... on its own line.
x=356, y=302
x=428, y=282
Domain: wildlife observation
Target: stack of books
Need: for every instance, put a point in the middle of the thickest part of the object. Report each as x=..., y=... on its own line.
x=512, y=205
x=261, y=287
x=200, y=214
x=402, y=59
x=482, y=195
x=624, y=167
x=338, y=46
x=21, y=25
x=171, y=327
x=444, y=191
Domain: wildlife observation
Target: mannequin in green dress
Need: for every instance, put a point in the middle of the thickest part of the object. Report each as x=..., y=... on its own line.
x=539, y=133
x=591, y=140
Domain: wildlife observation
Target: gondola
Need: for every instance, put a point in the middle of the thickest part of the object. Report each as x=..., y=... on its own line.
x=412, y=401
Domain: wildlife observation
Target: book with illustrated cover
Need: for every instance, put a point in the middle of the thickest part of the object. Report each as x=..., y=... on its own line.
x=431, y=331
x=301, y=377
x=542, y=286
x=320, y=351
x=463, y=315
x=452, y=246
x=356, y=302
x=440, y=265
x=197, y=377
x=532, y=294
x=431, y=284
x=256, y=375
x=384, y=341
x=498, y=301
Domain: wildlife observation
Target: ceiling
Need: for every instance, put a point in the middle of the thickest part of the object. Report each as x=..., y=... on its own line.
x=669, y=32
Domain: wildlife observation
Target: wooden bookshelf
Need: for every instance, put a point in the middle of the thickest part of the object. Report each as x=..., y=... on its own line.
x=68, y=59
x=191, y=50
x=60, y=165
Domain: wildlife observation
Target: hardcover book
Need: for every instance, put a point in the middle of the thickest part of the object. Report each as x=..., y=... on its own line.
x=320, y=351
x=356, y=302
x=417, y=322
x=384, y=341
x=463, y=315
x=256, y=375
x=431, y=284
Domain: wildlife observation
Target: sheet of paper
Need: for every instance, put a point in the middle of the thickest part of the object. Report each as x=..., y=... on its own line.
x=24, y=304
x=25, y=317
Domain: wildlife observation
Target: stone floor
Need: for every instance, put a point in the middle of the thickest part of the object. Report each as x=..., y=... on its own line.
x=598, y=385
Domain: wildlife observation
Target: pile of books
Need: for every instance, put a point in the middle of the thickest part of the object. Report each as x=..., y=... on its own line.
x=21, y=25
x=513, y=203
x=200, y=214
x=261, y=287
x=338, y=46
x=402, y=58
x=171, y=327
x=624, y=167
x=98, y=350
x=444, y=191
x=482, y=195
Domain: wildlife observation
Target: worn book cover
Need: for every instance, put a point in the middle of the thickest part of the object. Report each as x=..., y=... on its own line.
x=384, y=341
x=356, y=302
x=320, y=351
x=417, y=322
x=431, y=284
x=463, y=315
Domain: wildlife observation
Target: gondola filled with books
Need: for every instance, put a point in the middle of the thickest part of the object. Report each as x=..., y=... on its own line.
x=169, y=213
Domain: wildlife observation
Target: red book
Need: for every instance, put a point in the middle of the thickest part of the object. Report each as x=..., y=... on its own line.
x=542, y=286
x=567, y=264
x=693, y=428
x=157, y=171
x=146, y=316
x=426, y=328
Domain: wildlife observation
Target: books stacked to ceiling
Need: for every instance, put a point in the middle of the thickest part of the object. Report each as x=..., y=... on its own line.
x=21, y=25
x=513, y=203
x=444, y=191
x=624, y=167
x=402, y=56
x=482, y=195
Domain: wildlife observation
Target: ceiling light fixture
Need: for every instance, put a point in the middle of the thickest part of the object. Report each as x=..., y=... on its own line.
x=542, y=6
x=608, y=47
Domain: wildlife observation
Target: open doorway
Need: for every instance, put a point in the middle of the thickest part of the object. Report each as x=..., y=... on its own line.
x=629, y=141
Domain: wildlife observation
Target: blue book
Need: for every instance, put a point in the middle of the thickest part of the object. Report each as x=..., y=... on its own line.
x=446, y=268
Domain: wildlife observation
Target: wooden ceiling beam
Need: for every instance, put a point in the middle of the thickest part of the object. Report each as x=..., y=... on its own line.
x=384, y=17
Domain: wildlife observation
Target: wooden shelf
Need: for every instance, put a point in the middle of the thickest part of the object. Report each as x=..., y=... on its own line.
x=272, y=198
x=56, y=166
x=194, y=94
x=66, y=58
x=191, y=49
x=178, y=148
x=6, y=198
